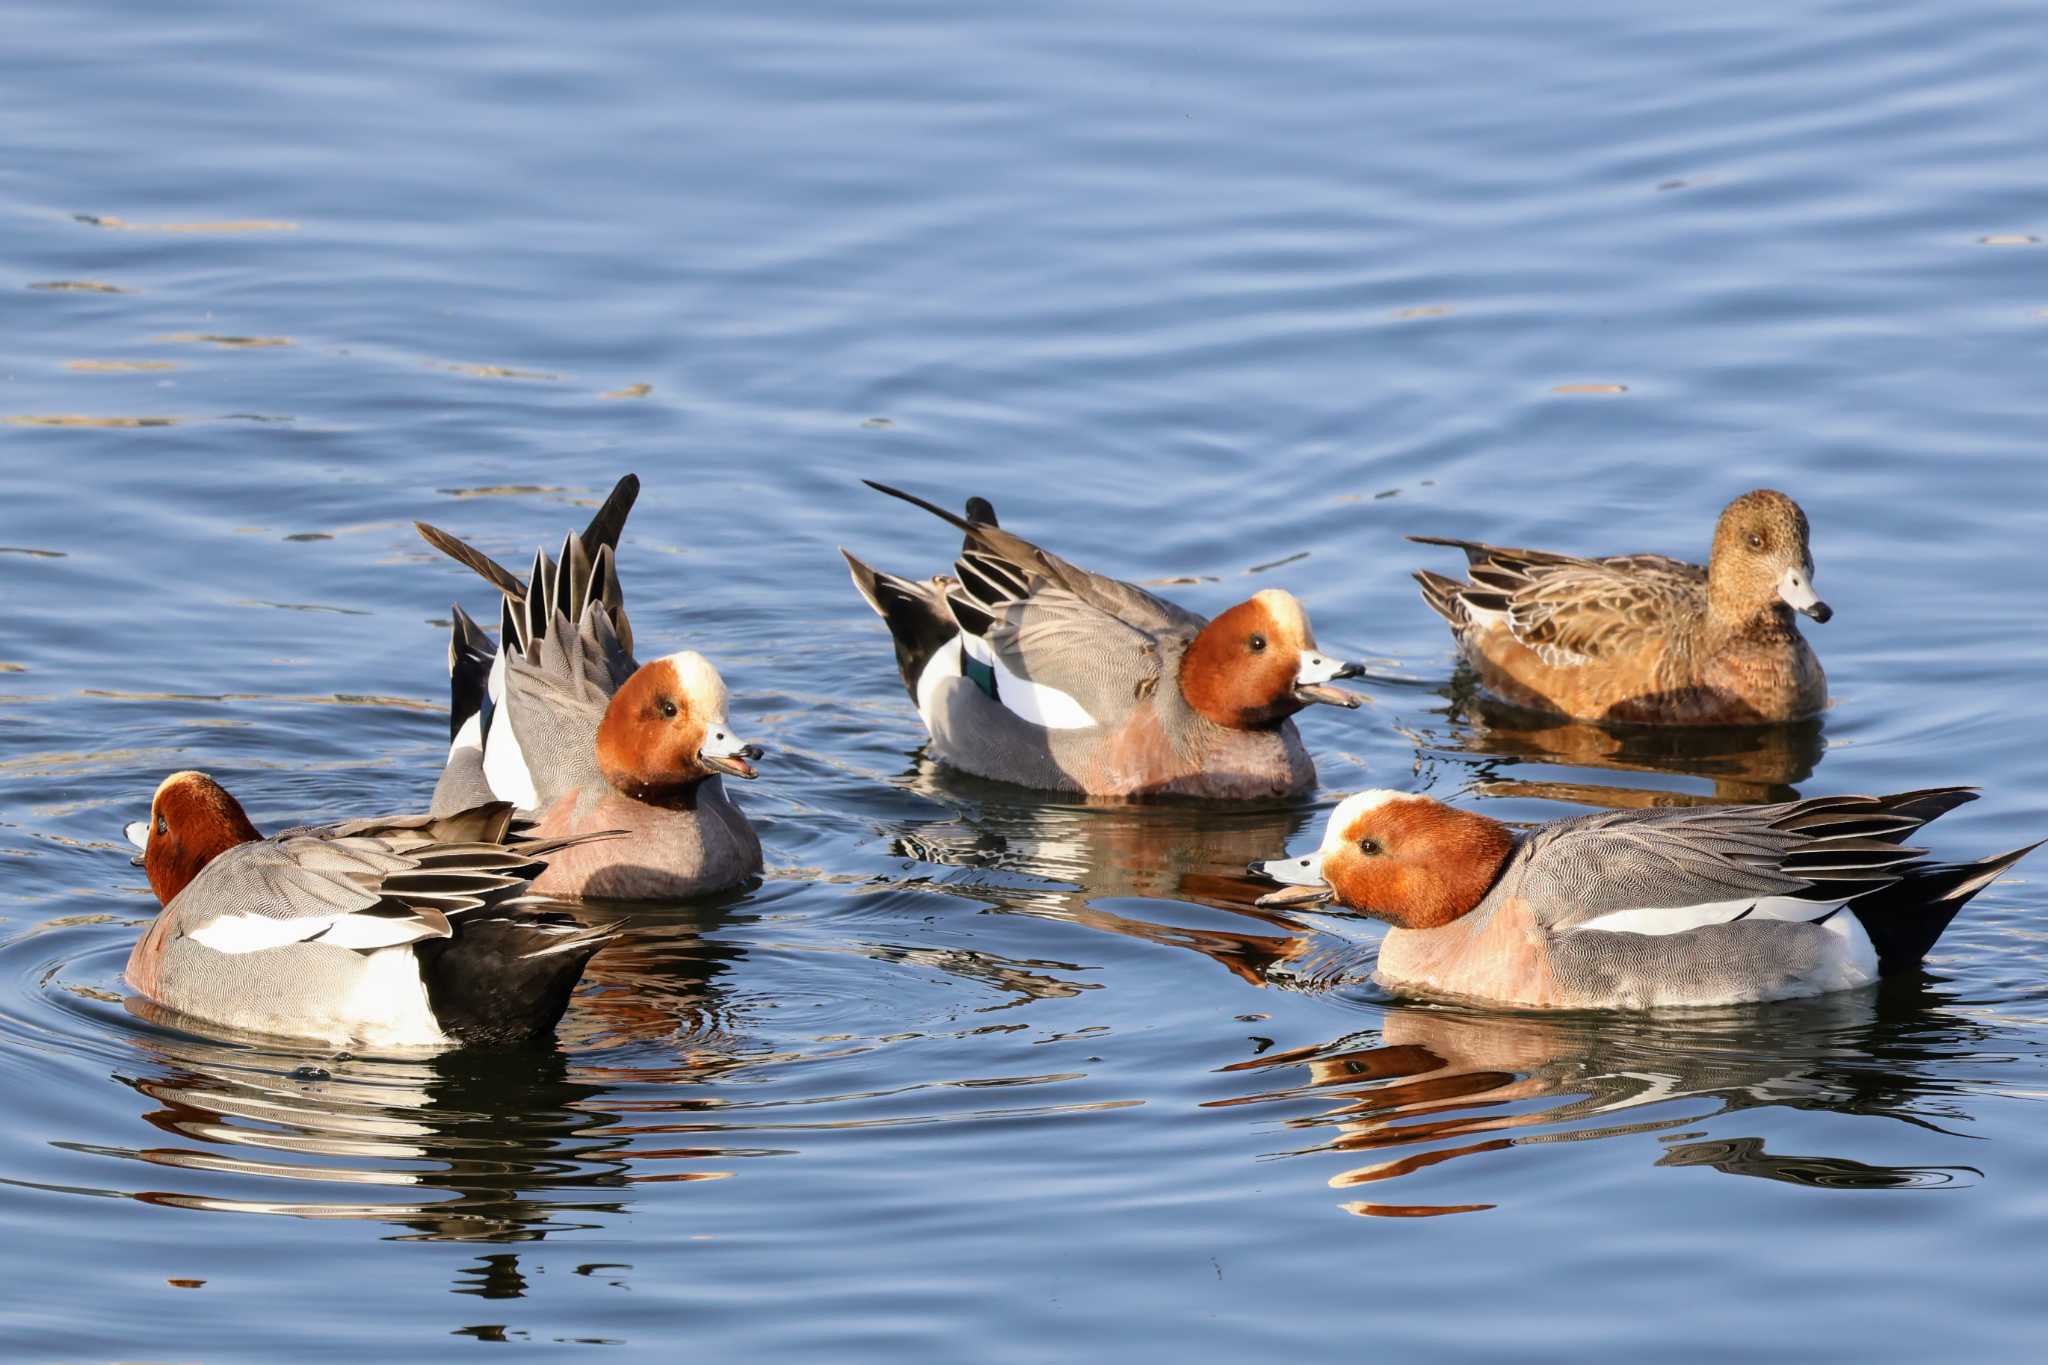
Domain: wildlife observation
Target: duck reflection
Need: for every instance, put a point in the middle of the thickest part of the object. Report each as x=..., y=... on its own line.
x=1074, y=862
x=1435, y=1084
x=488, y=1145
x=1738, y=764
x=1186, y=850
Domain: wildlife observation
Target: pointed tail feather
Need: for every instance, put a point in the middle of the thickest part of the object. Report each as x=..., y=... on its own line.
x=916, y=613
x=462, y=552
x=610, y=519
x=1905, y=918
x=950, y=518
x=1441, y=594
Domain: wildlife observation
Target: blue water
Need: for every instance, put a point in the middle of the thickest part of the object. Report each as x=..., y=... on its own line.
x=1186, y=291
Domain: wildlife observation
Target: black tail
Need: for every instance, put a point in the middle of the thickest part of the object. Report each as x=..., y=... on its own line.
x=470, y=656
x=916, y=615
x=1905, y=918
x=506, y=975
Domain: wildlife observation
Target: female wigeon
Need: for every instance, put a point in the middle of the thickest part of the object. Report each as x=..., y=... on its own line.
x=1028, y=669
x=1713, y=905
x=1642, y=638
x=564, y=723
x=413, y=931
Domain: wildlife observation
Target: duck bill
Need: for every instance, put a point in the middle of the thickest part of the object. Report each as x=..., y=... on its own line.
x=137, y=832
x=732, y=759
x=1301, y=879
x=1795, y=587
x=1311, y=683
x=1295, y=898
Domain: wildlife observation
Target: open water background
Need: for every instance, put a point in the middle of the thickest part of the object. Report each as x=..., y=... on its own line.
x=1187, y=291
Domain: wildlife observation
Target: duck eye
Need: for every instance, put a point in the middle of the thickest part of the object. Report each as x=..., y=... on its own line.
x=1756, y=540
x=162, y=827
x=1370, y=847
x=668, y=709
x=1258, y=643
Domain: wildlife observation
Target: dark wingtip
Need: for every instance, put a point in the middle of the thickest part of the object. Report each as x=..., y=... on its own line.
x=981, y=512
x=610, y=519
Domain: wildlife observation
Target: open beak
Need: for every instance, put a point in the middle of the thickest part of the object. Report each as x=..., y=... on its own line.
x=1795, y=585
x=138, y=835
x=724, y=753
x=1301, y=880
x=1311, y=683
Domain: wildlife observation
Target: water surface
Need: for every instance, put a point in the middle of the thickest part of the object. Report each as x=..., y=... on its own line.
x=1224, y=296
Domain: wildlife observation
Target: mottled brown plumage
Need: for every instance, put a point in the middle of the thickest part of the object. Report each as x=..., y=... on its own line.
x=1644, y=638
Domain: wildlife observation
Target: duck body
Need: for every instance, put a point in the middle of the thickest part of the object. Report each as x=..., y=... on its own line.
x=1028, y=669
x=408, y=931
x=1642, y=909
x=564, y=722
x=1156, y=746
x=1646, y=639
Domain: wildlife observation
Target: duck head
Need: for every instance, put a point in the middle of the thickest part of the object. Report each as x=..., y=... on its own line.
x=665, y=731
x=1761, y=558
x=1257, y=664
x=1409, y=860
x=192, y=821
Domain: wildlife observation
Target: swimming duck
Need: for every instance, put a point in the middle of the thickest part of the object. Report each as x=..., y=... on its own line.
x=566, y=724
x=1028, y=669
x=1630, y=909
x=410, y=931
x=1645, y=639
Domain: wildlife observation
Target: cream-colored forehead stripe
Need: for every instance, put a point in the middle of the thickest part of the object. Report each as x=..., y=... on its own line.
x=173, y=780
x=1352, y=808
x=1286, y=612
x=698, y=680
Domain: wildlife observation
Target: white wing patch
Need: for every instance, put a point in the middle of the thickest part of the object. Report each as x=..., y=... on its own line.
x=236, y=934
x=1681, y=919
x=505, y=767
x=1034, y=702
x=362, y=932
x=1029, y=701
x=254, y=933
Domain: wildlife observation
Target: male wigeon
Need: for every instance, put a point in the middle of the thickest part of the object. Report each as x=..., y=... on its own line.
x=1642, y=638
x=411, y=931
x=565, y=723
x=1028, y=669
x=1631, y=909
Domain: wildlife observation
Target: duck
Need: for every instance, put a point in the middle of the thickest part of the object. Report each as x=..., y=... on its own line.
x=1030, y=670
x=1641, y=638
x=406, y=931
x=1639, y=909
x=565, y=723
